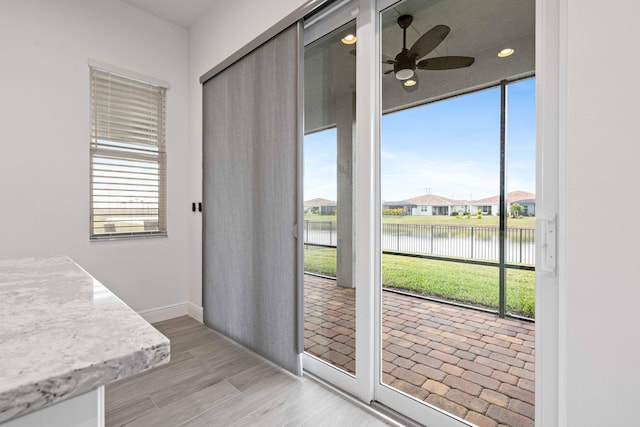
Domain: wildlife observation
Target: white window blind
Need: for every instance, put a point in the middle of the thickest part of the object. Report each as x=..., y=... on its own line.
x=128, y=157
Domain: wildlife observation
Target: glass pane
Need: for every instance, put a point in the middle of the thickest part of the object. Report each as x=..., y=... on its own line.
x=443, y=342
x=329, y=300
x=438, y=191
x=521, y=181
x=125, y=194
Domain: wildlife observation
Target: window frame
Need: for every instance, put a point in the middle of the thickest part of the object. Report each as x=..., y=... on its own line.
x=129, y=152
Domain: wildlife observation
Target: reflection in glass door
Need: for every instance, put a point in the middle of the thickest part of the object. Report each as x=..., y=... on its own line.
x=329, y=118
x=457, y=281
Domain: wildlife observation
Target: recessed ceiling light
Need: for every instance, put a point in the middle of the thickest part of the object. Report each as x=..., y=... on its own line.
x=506, y=52
x=409, y=83
x=349, y=39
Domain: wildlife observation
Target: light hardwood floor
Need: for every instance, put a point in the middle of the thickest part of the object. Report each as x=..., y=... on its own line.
x=212, y=381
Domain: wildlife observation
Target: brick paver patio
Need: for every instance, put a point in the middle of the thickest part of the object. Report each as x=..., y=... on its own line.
x=469, y=363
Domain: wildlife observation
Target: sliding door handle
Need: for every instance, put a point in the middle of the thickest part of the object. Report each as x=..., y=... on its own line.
x=548, y=230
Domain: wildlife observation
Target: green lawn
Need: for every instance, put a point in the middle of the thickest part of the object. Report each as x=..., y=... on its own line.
x=524, y=222
x=466, y=283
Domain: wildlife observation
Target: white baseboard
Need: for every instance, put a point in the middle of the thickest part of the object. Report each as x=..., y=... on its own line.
x=195, y=311
x=172, y=311
x=164, y=313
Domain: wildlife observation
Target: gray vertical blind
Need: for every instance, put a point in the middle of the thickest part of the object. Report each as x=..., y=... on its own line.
x=250, y=143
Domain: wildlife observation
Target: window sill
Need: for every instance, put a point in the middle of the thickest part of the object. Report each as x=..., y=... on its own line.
x=127, y=236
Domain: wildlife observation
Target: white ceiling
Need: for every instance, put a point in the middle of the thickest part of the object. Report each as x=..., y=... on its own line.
x=183, y=13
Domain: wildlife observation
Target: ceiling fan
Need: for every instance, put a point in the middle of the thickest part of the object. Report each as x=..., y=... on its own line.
x=407, y=61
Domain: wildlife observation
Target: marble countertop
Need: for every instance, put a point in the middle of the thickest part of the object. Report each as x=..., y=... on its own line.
x=62, y=333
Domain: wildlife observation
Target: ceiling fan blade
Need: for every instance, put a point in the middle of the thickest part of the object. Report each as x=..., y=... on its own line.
x=413, y=87
x=445, y=63
x=388, y=72
x=429, y=41
x=386, y=59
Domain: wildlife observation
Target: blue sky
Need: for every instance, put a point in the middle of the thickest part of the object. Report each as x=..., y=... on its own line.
x=451, y=147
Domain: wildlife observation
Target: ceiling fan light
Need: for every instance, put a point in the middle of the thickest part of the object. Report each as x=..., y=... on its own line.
x=349, y=39
x=404, y=74
x=506, y=52
x=409, y=83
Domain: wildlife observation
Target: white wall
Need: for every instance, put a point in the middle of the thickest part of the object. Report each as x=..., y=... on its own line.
x=221, y=31
x=418, y=211
x=602, y=345
x=44, y=139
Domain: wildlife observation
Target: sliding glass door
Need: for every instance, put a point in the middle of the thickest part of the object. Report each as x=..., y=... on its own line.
x=329, y=121
x=456, y=246
x=419, y=206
